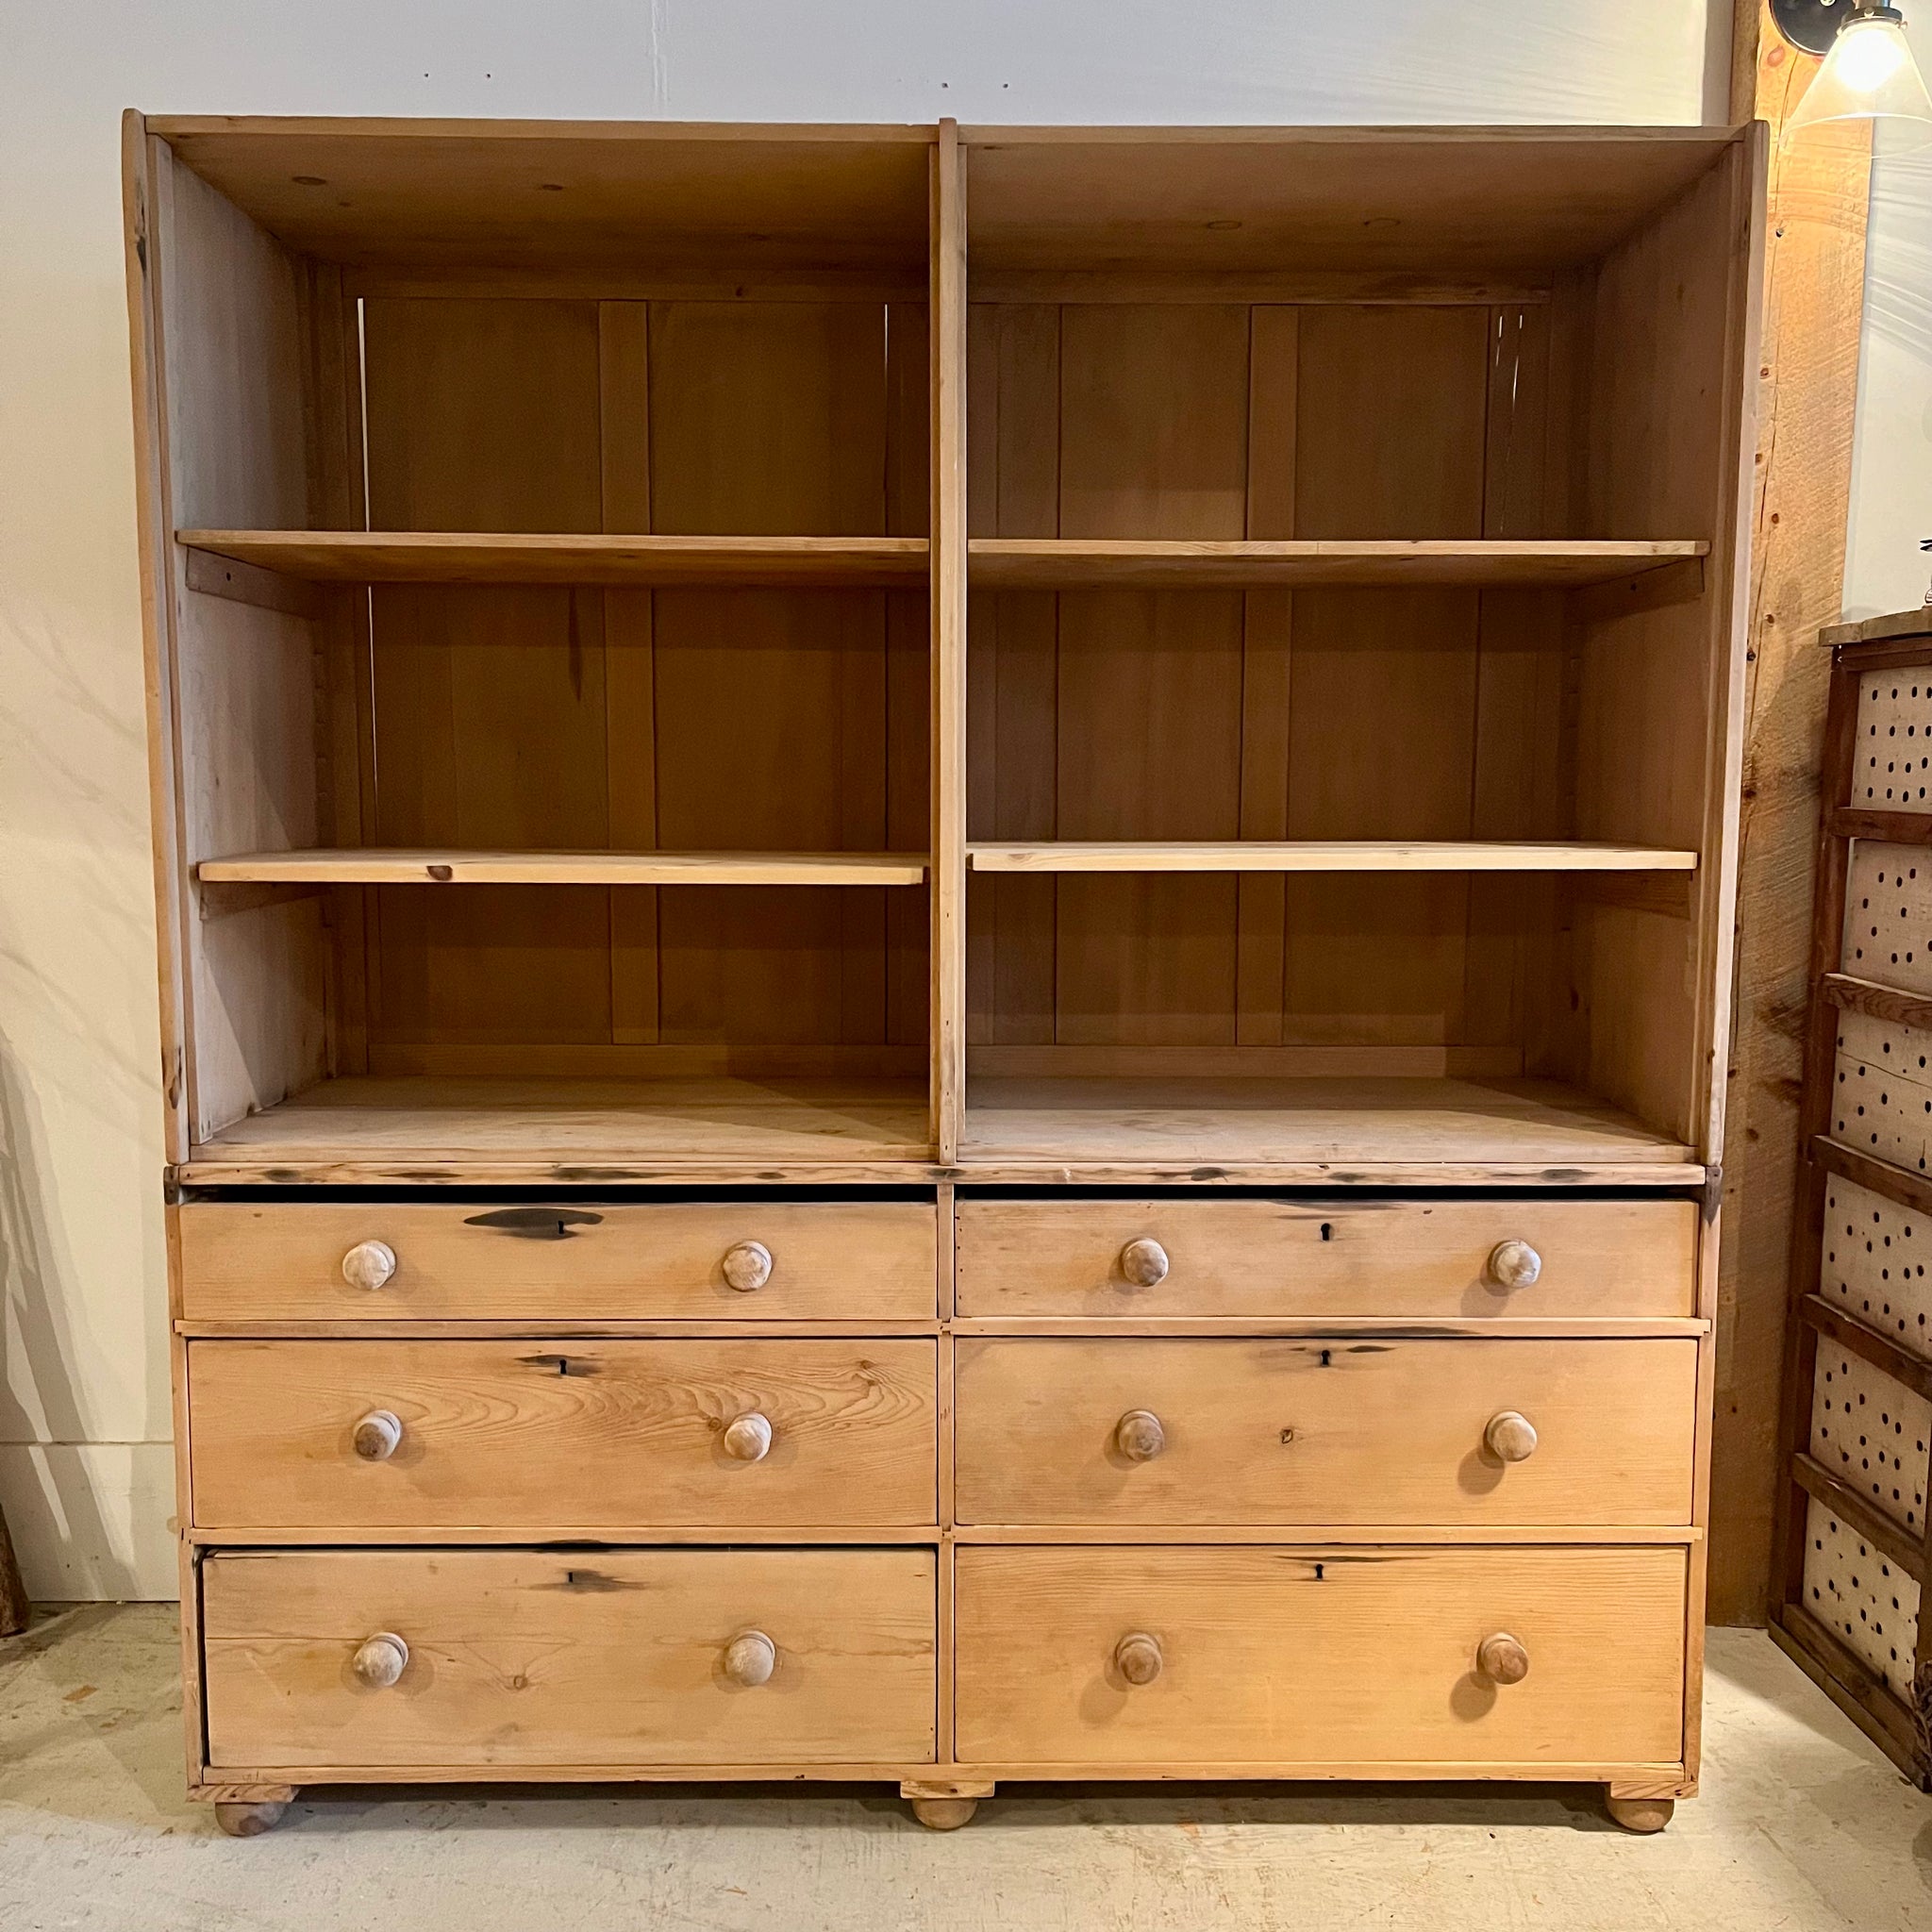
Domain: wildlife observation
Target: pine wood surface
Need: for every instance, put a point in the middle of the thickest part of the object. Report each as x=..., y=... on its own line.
x=612, y=1657
x=1230, y=1688
x=1388, y=1261
x=857, y=1261
x=1389, y=1430
x=516, y=1434
x=1330, y=781
x=440, y=556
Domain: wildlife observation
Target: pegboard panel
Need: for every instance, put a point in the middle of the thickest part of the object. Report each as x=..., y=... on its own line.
x=1881, y=1091
x=1863, y=1597
x=1873, y=1264
x=1892, y=769
x=1871, y=1432
x=1888, y=932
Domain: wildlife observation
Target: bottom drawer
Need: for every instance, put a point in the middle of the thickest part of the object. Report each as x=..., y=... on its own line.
x=1188, y=1655
x=600, y=1657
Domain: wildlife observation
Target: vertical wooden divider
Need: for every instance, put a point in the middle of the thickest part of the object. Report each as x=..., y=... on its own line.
x=948, y=592
x=1267, y=673
x=624, y=393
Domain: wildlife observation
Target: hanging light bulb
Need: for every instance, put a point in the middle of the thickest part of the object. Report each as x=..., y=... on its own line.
x=1869, y=72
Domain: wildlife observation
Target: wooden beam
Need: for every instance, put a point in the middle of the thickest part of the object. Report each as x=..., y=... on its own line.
x=1813, y=300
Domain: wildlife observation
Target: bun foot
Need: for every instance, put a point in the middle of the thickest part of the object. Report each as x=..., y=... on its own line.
x=1641, y=1815
x=945, y=1814
x=943, y=1803
x=252, y=1820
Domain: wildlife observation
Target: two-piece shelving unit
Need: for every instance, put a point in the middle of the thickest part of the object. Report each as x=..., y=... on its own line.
x=1036, y=827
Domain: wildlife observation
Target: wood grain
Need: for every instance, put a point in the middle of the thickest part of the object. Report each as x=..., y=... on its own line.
x=386, y=866
x=1387, y=1431
x=443, y=557
x=1391, y=1259
x=1038, y=1629
x=282, y=1262
x=1314, y=854
x=610, y=1658
x=518, y=1434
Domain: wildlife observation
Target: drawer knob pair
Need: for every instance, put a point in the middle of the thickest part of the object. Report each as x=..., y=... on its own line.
x=748, y=1438
x=1139, y=1435
x=1511, y=1435
x=747, y=1265
x=1502, y=1658
x=378, y=1435
x=1143, y=1263
x=750, y=1658
x=381, y=1660
x=1514, y=1264
x=1137, y=1658
x=369, y=1265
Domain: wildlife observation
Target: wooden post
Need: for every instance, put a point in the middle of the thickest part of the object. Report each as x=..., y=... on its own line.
x=13, y=1604
x=1813, y=299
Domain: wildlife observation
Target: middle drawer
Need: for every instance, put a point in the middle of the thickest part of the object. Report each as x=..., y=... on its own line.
x=400, y=1436
x=1108, y=1431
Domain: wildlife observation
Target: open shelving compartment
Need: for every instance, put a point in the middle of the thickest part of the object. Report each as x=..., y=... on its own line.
x=537, y=529
x=1350, y=670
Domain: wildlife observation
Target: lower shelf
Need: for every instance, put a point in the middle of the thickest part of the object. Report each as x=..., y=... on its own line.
x=424, y=1129
x=1405, y=1129
x=420, y=1129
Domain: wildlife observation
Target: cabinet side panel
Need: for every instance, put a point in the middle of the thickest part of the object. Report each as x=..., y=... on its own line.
x=1657, y=752
x=232, y=351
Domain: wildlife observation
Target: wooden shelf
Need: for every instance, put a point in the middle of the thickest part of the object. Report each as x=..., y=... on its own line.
x=439, y=556
x=384, y=866
x=998, y=563
x=1340, y=855
x=1448, y=1131
x=429, y=1130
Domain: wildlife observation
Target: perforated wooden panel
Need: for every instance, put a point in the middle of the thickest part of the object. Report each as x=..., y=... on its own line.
x=1863, y=1597
x=1871, y=1432
x=1891, y=767
x=1874, y=1263
x=1881, y=1093
x=1888, y=932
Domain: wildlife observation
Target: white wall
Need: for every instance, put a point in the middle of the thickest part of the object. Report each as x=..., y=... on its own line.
x=84, y=1418
x=1892, y=460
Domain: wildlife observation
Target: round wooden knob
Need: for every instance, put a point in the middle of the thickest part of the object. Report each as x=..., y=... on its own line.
x=369, y=1265
x=1139, y=1436
x=1514, y=1264
x=381, y=1660
x=1511, y=1435
x=1502, y=1658
x=750, y=1658
x=1137, y=1658
x=747, y=1265
x=748, y=1438
x=1144, y=1262
x=378, y=1435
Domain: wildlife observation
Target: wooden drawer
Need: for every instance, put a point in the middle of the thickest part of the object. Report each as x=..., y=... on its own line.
x=605, y=1657
x=286, y=1261
x=1345, y=1257
x=575, y=1436
x=1307, y=1431
x=1338, y=1658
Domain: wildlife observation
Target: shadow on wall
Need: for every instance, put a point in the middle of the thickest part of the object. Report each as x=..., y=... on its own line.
x=37, y=1326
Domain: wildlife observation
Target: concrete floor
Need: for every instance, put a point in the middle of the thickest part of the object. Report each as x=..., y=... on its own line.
x=1803, y=1825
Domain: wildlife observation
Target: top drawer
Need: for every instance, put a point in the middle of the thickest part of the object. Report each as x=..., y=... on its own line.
x=750, y=1261
x=1439, y=1259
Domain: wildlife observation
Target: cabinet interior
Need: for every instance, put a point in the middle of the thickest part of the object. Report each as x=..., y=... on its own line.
x=1197, y=368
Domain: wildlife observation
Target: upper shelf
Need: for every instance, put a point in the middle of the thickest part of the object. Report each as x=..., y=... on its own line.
x=440, y=556
x=1045, y=563
x=1337, y=855
x=389, y=866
